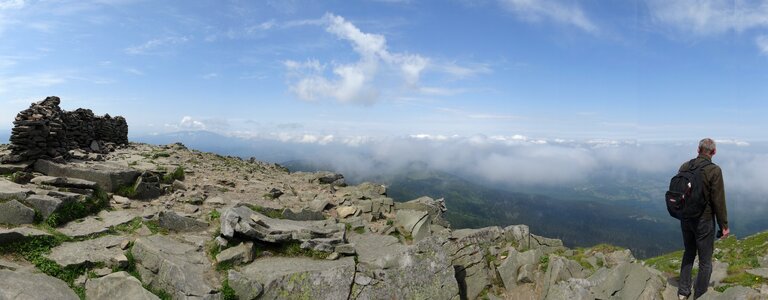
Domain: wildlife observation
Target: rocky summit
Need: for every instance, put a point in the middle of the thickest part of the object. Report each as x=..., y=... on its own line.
x=136, y=221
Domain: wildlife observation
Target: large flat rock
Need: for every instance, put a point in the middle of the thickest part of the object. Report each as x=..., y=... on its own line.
x=176, y=267
x=64, y=182
x=96, y=224
x=302, y=278
x=120, y=285
x=389, y=270
x=102, y=249
x=29, y=286
x=109, y=176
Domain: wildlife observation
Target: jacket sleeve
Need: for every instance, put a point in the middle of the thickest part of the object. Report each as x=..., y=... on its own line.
x=718, y=197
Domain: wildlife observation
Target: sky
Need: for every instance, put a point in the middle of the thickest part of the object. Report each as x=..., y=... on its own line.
x=325, y=71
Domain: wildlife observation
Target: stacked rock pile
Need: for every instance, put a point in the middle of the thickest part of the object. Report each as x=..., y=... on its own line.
x=45, y=131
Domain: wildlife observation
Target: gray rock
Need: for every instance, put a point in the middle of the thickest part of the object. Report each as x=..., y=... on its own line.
x=13, y=212
x=302, y=278
x=434, y=208
x=346, y=211
x=10, y=190
x=736, y=292
x=348, y=249
x=318, y=235
x=99, y=250
x=245, y=288
x=170, y=220
x=109, y=176
x=466, y=249
x=240, y=254
x=304, y=214
x=617, y=257
x=519, y=235
x=763, y=261
x=719, y=272
x=572, y=289
x=20, y=234
x=97, y=224
x=175, y=267
x=179, y=185
x=11, y=266
x=762, y=272
x=419, y=271
x=508, y=270
x=318, y=205
x=64, y=182
x=561, y=269
x=22, y=285
x=44, y=204
x=413, y=222
x=15, y=167
x=120, y=285
x=626, y=281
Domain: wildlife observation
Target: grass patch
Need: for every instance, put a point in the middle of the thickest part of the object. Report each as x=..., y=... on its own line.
x=177, y=174
x=227, y=292
x=214, y=215
x=79, y=209
x=155, y=228
x=128, y=191
x=544, y=262
x=360, y=230
x=160, y=154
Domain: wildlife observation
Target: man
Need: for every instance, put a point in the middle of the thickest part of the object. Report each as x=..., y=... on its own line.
x=698, y=234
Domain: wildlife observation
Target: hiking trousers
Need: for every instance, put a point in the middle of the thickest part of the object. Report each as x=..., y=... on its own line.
x=699, y=239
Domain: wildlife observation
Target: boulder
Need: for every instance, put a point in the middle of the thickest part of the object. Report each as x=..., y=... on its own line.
x=389, y=270
x=178, y=268
x=20, y=234
x=170, y=220
x=245, y=288
x=762, y=272
x=318, y=235
x=44, y=204
x=318, y=205
x=466, y=249
x=435, y=209
x=414, y=223
x=11, y=168
x=240, y=254
x=13, y=212
x=97, y=224
x=346, y=211
x=562, y=269
x=108, y=176
x=736, y=292
x=99, y=250
x=33, y=286
x=120, y=285
x=302, y=278
x=626, y=281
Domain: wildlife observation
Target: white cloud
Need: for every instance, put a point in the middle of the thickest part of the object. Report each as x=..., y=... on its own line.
x=705, y=17
x=553, y=10
x=188, y=123
x=465, y=71
x=134, y=71
x=152, y=45
x=210, y=76
x=354, y=82
x=762, y=43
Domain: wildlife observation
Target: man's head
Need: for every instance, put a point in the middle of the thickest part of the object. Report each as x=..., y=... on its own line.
x=707, y=147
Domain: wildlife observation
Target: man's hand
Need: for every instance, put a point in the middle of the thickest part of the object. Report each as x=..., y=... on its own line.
x=726, y=232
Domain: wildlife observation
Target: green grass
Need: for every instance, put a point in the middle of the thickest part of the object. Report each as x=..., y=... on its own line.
x=177, y=174
x=544, y=262
x=269, y=212
x=214, y=215
x=227, y=293
x=79, y=209
x=155, y=228
x=160, y=154
x=128, y=191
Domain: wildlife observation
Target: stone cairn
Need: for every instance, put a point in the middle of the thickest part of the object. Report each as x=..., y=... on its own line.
x=45, y=131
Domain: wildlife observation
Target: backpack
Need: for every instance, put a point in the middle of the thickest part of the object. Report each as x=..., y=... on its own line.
x=685, y=197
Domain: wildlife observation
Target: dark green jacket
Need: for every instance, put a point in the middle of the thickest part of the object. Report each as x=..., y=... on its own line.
x=714, y=191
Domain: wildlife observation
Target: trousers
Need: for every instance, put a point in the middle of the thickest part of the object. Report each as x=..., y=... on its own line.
x=699, y=239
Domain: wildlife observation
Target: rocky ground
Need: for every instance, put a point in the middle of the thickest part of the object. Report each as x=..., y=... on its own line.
x=166, y=222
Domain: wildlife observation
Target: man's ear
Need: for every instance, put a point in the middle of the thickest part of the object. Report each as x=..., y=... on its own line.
x=714, y=151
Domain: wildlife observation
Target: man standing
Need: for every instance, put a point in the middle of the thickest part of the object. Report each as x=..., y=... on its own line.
x=699, y=233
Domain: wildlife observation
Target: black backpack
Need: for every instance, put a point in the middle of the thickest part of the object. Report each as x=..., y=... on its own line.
x=685, y=198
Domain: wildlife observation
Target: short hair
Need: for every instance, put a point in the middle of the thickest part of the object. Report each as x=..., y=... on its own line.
x=707, y=145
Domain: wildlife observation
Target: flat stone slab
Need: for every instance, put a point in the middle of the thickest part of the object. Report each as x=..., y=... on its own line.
x=65, y=182
x=102, y=249
x=172, y=221
x=302, y=278
x=762, y=272
x=18, y=234
x=44, y=204
x=10, y=190
x=120, y=285
x=109, y=176
x=33, y=286
x=97, y=224
x=178, y=268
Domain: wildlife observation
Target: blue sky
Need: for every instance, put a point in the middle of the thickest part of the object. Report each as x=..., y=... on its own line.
x=316, y=71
